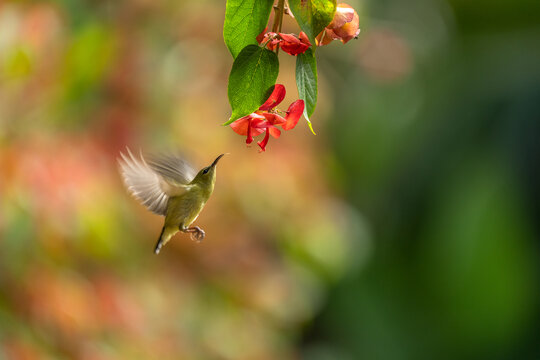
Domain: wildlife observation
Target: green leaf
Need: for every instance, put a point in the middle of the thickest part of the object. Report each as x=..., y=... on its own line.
x=244, y=20
x=313, y=15
x=306, y=82
x=253, y=73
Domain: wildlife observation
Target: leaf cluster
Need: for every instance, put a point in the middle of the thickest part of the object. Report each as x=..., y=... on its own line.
x=255, y=68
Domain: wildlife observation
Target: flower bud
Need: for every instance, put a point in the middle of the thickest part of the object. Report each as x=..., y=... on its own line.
x=344, y=26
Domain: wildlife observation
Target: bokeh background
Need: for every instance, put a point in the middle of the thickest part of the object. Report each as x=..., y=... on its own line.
x=408, y=228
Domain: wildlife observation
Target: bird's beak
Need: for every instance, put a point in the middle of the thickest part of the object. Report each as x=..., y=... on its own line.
x=217, y=159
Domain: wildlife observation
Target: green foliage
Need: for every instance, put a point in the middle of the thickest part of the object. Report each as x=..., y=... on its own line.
x=313, y=15
x=244, y=20
x=254, y=71
x=306, y=82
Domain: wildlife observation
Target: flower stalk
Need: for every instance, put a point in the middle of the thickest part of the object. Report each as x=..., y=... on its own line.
x=278, y=19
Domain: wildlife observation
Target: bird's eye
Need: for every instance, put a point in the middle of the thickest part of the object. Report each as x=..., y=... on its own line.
x=205, y=171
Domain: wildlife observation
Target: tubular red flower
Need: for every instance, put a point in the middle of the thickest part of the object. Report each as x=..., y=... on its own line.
x=249, y=138
x=268, y=125
x=266, y=119
x=274, y=131
x=263, y=142
x=274, y=119
x=288, y=42
x=293, y=45
x=268, y=39
x=244, y=126
x=275, y=98
x=304, y=38
x=294, y=112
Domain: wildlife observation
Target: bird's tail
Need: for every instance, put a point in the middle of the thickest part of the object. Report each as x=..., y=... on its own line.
x=166, y=234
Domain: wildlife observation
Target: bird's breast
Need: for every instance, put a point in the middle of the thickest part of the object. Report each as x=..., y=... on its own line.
x=184, y=209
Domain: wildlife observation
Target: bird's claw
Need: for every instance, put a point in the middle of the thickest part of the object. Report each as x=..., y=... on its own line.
x=196, y=233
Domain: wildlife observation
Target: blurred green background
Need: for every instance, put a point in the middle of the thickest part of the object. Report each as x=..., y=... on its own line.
x=407, y=228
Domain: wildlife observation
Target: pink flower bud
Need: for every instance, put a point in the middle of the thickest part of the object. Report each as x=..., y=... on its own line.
x=344, y=26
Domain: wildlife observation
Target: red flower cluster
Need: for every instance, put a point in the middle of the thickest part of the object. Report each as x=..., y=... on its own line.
x=266, y=118
x=289, y=43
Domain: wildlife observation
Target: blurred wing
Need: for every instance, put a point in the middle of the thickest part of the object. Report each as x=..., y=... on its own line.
x=146, y=185
x=172, y=168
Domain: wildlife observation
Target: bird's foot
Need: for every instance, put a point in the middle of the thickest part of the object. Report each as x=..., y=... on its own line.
x=196, y=233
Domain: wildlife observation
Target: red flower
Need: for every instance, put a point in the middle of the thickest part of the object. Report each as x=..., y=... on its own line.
x=289, y=43
x=270, y=39
x=267, y=118
x=293, y=45
x=344, y=26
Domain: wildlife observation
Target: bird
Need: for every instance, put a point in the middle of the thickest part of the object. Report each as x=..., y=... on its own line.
x=169, y=186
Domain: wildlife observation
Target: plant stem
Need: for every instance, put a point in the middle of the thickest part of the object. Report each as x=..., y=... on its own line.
x=278, y=19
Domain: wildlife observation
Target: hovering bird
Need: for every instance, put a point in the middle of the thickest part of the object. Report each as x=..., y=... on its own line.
x=167, y=185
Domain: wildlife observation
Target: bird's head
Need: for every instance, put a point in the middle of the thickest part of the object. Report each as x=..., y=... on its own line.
x=207, y=175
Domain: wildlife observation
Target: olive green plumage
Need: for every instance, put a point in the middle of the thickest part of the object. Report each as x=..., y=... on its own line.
x=168, y=186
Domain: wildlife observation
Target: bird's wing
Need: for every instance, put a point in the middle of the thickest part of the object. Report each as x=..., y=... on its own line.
x=145, y=184
x=172, y=168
